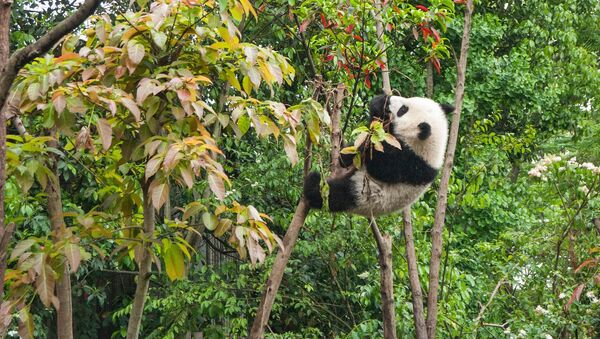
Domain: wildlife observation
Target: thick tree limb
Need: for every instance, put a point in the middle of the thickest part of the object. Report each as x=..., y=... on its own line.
x=25, y=55
x=440, y=211
x=6, y=232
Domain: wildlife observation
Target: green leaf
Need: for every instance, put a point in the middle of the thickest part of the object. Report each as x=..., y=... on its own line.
x=210, y=221
x=174, y=263
x=135, y=51
x=159, y=38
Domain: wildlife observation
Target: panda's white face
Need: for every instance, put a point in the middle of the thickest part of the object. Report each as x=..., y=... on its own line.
x=421, y=123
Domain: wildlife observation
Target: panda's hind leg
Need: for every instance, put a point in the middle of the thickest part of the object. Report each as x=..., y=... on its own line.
x=341, y=193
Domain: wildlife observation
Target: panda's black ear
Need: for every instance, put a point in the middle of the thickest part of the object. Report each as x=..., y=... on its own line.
x=447, y=108
x=377, y=106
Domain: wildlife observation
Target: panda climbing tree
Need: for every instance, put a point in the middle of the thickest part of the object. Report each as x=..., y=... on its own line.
x=388, y=171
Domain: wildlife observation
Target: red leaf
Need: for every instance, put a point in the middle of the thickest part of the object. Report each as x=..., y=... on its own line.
x=436, y=35
x=303, y=25
x=422, y=8
x=358, y=37
x=389, y=27
x=368, y=81
x=380, y=63
x=426, y=32
x=460, y=2
x=339, y=64
x=349, y=28
x=329, y=58
x=324, y=21
x=590, y=262
x=436, y=64
x=575, y=296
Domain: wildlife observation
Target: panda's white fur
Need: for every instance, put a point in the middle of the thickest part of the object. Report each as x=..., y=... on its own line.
x=393, y=179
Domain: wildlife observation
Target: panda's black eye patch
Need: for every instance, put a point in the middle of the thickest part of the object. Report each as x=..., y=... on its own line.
x=402, y=111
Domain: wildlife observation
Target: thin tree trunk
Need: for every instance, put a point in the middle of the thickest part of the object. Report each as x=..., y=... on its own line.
x=411, y=257
x=429, y=81
x=385, y=72
x=5, y=232
x=413, y=276
x=145, y=265
x=283, y=254
x=336, y=133
x=440, y=212
x=384, y=243
x=272, y=285
x=384, y=247
x=64, y=319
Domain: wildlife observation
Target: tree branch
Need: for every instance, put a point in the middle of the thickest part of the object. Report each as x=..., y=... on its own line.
x=413, y=276
x=25, y=55
x=440, y=211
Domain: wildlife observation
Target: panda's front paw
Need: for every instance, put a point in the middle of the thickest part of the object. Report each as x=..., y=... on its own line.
x=425, y=131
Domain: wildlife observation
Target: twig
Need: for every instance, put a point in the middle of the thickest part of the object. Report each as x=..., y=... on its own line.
x=484, y=307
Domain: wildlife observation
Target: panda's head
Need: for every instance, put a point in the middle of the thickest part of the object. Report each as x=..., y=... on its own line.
x=420, y=123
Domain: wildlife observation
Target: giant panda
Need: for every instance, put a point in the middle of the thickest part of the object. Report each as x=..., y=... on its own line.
x=393, y=179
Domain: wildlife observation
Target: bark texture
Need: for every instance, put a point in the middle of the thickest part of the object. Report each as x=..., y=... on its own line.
x=413, y=276
x=384, y=243
x=64, y=314
x=24, y=55
x=440, y=211
x=272, y=285
x=384, y=246
x=283, y=254
x=5, y=231
x=145, y=265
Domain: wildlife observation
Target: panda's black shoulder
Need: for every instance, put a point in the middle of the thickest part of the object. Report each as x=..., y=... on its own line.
x=395, y=165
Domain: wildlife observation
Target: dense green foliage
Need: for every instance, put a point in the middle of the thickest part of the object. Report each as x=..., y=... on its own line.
x=521, y=247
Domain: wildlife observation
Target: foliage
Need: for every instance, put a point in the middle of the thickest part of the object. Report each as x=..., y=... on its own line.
x=206, y=102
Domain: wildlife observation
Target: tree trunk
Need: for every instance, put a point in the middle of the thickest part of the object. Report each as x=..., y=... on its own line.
x=145, y=265
x=384, y=247
x=5, y=231
x=272, y=284
x=440, y=211
x=283, y=254
x=413, y=276
x=64, y=319
x=384, y=243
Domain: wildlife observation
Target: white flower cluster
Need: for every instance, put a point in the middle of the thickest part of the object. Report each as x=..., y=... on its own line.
x=592, y=297
x=541, y=311
x=542, y=166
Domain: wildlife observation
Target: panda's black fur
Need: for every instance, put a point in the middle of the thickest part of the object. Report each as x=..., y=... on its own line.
x=394, y=178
